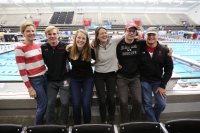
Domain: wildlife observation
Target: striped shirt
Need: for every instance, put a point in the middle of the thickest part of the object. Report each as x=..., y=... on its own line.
x=29, y=61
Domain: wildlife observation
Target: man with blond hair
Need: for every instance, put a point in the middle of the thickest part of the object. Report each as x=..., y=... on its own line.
x=56, y=59
x=32, y=69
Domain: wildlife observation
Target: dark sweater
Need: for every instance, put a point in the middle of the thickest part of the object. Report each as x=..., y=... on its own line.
x=55, y=60
x=81, y=69
x=157, y=68
x=128, y=58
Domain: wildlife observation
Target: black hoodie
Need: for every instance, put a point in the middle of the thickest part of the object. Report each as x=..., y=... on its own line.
x=56, y=60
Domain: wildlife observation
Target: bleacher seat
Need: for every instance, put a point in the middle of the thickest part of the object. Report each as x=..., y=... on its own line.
x=183, y=126
x=140, y=127
x=10, y=128
x=47, y=129
x=93, y=128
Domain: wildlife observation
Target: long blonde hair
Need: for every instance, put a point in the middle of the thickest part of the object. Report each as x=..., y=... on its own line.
x=86, y=52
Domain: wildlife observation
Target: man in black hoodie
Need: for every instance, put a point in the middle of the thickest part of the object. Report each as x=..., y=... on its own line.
x=56, y=60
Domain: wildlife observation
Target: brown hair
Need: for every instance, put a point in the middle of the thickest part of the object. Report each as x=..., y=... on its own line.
x=86, y=52
x=24, y=25
x=96, y=40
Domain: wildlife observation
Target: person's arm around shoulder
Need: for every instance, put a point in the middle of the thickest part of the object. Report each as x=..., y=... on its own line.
x=167, y=46
x=92, y=44
x=117, y=39
x=68, y=47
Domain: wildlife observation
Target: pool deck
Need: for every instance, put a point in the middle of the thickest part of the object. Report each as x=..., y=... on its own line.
x=17, y=107
x=19, y=91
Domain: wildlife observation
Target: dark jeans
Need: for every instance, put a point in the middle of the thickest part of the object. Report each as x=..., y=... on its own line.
x=81, y=92
x=53, y=87
x=105, y=84
x=39, y=84
x=152, y=112
x=126, y=87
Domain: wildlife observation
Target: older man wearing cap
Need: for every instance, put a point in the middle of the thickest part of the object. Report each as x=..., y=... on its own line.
x=128, y=79
x=156, y=68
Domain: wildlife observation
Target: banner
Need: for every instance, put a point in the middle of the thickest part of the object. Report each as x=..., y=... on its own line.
x=36, y=23
x=137, y=22
x=86, y=22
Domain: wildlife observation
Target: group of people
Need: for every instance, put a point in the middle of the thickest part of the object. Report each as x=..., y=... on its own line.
x=126, y=66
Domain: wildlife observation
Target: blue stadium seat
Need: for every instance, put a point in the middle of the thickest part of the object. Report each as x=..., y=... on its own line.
x=183, y=126
x=10, y=128
x=93, y=128
x=47, y=129
x=140, y=127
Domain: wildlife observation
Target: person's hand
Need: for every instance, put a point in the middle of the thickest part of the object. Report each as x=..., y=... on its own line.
x=32, y=92
x=92, y=44
x=68, y=47
x=170, y=51
x=119, y=66
x=162, y=92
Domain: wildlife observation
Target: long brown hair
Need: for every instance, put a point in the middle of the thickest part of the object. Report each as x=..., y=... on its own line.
x=96, y=40
x=86, y=52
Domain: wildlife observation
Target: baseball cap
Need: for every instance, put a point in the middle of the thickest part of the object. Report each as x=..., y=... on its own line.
x=153, y=30
x=130, y=25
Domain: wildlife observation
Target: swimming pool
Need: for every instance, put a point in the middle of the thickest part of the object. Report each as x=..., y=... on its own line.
x=9, y=71
x=8, y=67
x=189, y=50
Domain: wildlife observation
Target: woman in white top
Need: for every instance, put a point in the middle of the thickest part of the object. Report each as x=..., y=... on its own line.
x=106, y=65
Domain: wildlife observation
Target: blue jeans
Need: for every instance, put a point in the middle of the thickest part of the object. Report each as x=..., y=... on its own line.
x=39, y=84
x=53, y=87
x=81, y=92
x=152, y=112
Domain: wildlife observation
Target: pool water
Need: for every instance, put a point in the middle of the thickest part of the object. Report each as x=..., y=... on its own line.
x=9, y=70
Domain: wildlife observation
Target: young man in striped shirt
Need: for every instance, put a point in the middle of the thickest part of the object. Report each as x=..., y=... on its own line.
x=32, y=69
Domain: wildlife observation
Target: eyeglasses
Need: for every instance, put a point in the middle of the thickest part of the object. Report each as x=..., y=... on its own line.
x=131, y=30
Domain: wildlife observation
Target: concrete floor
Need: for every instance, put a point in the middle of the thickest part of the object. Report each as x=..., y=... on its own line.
x=17, y=107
